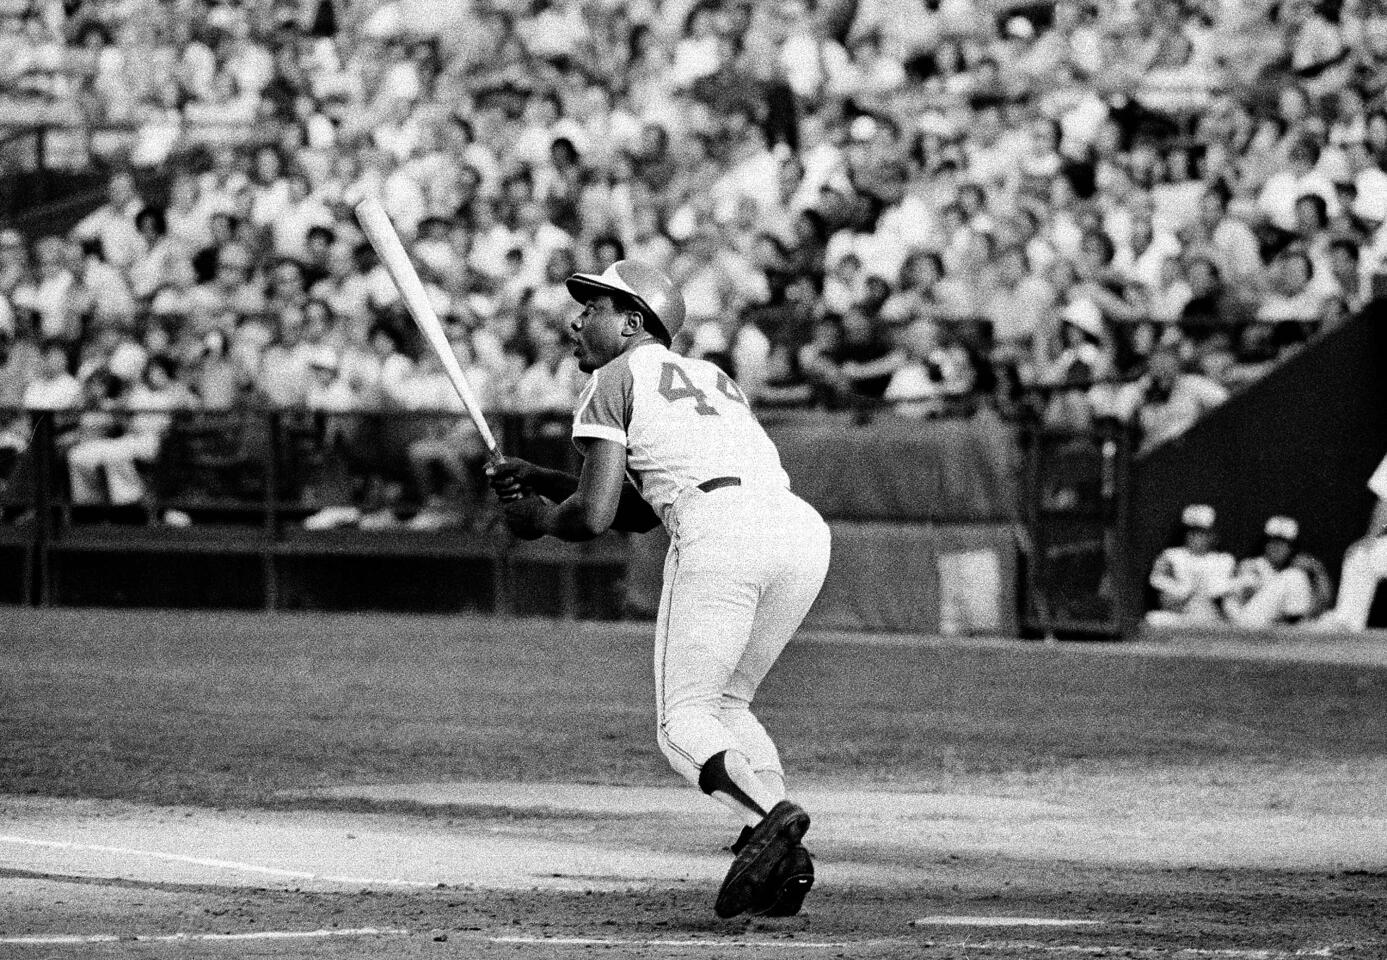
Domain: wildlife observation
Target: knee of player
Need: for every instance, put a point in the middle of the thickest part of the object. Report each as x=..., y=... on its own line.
x=672, y=754
x=729, y=703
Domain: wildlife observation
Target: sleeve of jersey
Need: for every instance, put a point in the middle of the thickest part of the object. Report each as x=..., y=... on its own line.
x=604, y=413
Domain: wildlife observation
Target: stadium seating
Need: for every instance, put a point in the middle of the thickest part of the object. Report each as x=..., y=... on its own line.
x=1065, y=213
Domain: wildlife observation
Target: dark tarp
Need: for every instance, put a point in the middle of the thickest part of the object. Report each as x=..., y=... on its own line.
x=904, y=470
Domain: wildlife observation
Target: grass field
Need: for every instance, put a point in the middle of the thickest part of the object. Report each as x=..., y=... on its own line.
x=230, y=709
x=170, y=775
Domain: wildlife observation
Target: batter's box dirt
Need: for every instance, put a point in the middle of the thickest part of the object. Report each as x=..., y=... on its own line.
x=196, y=882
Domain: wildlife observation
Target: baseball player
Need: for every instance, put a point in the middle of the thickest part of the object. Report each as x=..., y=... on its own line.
x=671, y=439
x=1365, y=564
x=1192, y=578
x=1275, y=587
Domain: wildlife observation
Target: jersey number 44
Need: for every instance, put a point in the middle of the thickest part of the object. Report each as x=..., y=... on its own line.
x=675, y=385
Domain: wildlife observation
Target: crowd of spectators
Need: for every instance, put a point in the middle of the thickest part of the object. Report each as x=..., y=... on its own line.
x=1124, y=209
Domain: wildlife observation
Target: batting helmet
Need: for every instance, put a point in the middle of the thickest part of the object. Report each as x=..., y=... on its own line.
x=640, y=284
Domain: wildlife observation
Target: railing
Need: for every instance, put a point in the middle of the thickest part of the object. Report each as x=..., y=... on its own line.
x=282, y=509
x=238, y=489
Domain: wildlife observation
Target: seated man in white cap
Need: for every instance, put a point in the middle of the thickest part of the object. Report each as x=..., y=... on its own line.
x=1272, y=589
x=1191, y=579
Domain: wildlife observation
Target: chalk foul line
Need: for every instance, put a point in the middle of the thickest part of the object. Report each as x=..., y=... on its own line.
x=58, y=939
x=1002, y=921
x=673, y=942
x=222, y=864
x=1035, y=947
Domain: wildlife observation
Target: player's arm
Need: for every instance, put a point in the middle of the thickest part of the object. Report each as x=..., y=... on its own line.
x=512, y=477
x=601, y=499
x=588, y=512
x=1165, y=580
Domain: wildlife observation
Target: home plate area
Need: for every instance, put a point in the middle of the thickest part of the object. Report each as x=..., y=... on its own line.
x=567, y=870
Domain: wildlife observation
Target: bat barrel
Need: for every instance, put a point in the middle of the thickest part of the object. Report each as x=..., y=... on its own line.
x=381, y=232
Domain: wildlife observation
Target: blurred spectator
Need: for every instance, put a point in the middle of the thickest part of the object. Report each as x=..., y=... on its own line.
x=931, y=372
x=19, y=362
x=1292, y=294
x=446, y=460
x=1018, y=303
x=1212, y=305
x=53, y=387
x=1166, y=401
x=1278, y=196
x=850, y=358
x=103, y=462
x=551, y=380
x=113, y=223
x=51, y=295
x=1192, y=578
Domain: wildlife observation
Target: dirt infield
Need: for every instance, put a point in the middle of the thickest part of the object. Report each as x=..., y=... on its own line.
x=173, y=786
x=569, y=869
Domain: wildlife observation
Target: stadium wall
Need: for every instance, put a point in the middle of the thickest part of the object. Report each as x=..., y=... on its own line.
x=1301, y=441
x=924, y=515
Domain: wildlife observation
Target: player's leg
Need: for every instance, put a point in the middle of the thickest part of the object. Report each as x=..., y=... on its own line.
x=773, y=872
x=784, y=603
x=1258, y=611
x=1365, y=564
x=1165, y=618
x=706, y=611
x=798, y=560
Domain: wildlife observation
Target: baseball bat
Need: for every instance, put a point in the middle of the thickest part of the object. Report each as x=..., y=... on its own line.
x=381, y=232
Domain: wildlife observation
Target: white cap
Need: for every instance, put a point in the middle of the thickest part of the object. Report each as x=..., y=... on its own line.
x=1199, y=516
x=1020, y=28
x=1283, y=527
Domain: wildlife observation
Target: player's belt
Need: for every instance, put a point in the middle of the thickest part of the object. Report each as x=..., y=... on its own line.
x=717, y=483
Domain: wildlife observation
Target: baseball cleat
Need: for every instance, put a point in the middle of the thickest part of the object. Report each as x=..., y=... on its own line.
x=757, y=862
x=791, y=884
x=742, y=839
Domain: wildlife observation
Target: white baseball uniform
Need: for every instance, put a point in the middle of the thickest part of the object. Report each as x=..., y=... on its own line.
x=1365, y=566
x=745, y=561
x=1190, y=586
x=1262, y=595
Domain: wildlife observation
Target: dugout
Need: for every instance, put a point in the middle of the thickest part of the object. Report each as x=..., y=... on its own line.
x=1301, y=441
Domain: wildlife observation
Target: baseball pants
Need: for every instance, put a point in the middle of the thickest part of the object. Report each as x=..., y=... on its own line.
x=743, y=569
x=1281, y=599
x=1365, y=566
